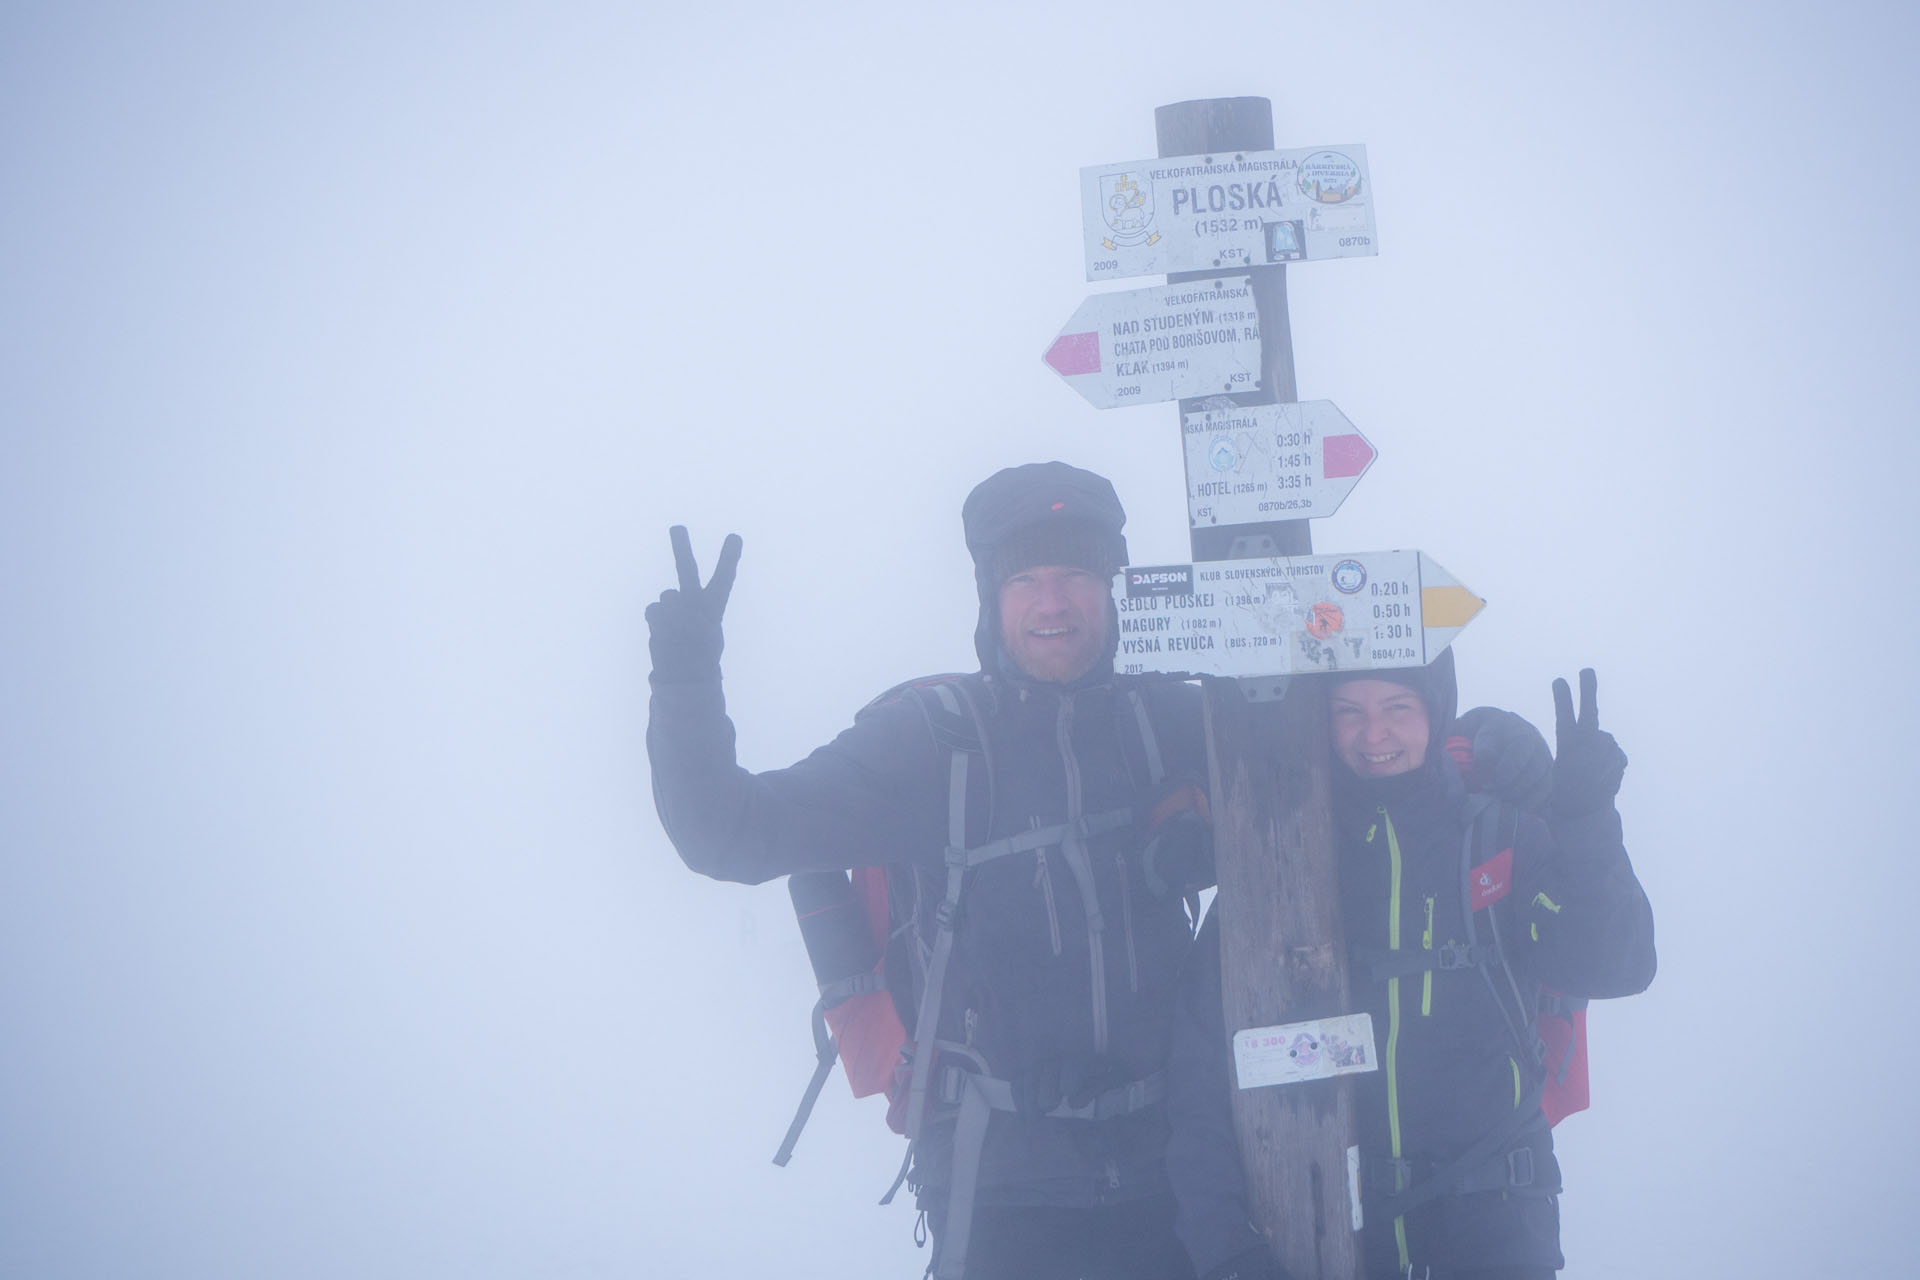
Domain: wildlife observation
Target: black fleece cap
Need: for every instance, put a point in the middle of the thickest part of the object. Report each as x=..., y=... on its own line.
x=1031, y=514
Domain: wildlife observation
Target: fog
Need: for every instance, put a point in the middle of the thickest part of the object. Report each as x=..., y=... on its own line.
x=355, y=359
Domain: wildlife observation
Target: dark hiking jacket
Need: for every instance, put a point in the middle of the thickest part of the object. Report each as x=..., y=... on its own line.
x=1570, y=914
x=1029, y=991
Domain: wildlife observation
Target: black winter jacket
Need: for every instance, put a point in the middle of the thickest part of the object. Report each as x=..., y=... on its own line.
x=1040, y=1003
x=1570, y=913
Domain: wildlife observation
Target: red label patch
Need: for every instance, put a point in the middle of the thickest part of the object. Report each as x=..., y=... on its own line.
x=1489, y=882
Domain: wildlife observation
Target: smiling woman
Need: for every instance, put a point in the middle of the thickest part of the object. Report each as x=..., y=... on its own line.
x=1380, y=728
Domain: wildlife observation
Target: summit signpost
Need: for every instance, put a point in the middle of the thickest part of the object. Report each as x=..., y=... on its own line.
x=1221, y=211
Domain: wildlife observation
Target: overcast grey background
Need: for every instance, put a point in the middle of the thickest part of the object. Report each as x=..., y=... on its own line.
x=354, y=359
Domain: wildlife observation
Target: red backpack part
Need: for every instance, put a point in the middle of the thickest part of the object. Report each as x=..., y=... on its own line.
x=1563, y=1030
x=1559, y=1021
x=843, y=921
x=865, y=1025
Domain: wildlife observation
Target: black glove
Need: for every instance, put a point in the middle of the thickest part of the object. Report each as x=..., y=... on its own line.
x=685, y=624
x=1510, y=758
x=1178, y=858
x=1588, y=766
x=1255, y=1264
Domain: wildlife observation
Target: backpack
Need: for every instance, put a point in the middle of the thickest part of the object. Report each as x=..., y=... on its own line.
x=859, y=957
x=1549, y=1026
x=880, y=958
x=843, y=920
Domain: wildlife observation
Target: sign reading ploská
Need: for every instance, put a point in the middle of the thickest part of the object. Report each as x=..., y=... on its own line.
x=1243, y=209
x=1265, y=462
x=1281, y=615
x=1170, y=342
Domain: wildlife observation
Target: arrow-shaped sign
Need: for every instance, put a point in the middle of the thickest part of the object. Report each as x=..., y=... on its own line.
x=1170, y=342
x=1282, y=615
x=1248, y=465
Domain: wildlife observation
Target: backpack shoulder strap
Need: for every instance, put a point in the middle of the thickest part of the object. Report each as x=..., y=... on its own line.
x=953, y=716
x=954, y=721
x=1487, y=853
x=1152, y=762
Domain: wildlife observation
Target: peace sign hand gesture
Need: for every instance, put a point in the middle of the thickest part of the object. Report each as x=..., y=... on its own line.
x=1588, y=763
x=684, y=623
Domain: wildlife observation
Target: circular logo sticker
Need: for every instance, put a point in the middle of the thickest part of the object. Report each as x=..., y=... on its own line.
x=1327, y=177
x=1349, y=576
x=1223, y=457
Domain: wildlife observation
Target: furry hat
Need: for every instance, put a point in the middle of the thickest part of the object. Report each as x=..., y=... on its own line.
x=1034, y=514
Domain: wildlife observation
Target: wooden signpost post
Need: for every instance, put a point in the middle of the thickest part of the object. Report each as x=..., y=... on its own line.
x=1282, y=950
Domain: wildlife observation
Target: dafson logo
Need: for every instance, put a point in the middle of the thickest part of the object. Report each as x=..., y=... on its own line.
x=1161, y=580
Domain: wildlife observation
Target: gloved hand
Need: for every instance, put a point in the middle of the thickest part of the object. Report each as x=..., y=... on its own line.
x=684, y=624
x=1510, y=758
x=1178, y=859
x=1588, y=766
x=1255, y=1264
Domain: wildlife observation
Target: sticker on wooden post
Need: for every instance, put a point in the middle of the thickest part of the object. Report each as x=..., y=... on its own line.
x=1317, y=1050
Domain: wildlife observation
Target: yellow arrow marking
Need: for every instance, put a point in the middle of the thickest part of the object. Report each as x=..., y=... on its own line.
x=1448, y=606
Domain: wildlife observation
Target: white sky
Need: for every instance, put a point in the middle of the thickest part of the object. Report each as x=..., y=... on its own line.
x=354, y=359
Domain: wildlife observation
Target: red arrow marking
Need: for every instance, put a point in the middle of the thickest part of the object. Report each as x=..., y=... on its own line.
x=1073, y=353
x=1345, y=456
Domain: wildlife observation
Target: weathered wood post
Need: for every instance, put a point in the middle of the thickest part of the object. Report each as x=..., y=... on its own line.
x=1283, y=953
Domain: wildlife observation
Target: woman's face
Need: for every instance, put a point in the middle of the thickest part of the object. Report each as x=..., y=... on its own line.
x=1379, y=728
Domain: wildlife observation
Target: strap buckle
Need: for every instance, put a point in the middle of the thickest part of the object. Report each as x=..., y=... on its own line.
x=1457, y=955
x=1520, y=1166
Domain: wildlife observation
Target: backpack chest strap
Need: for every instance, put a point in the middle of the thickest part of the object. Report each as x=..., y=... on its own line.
x=1085, y=827
x=1407, y=962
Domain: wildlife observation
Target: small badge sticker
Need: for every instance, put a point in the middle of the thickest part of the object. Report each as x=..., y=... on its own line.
x=1299, y=1051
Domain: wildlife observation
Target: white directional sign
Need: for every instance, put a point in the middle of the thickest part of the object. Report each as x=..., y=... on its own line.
x=1236, y=209
x=1170, y=342
x=1271, y=462
x=1286, y=614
